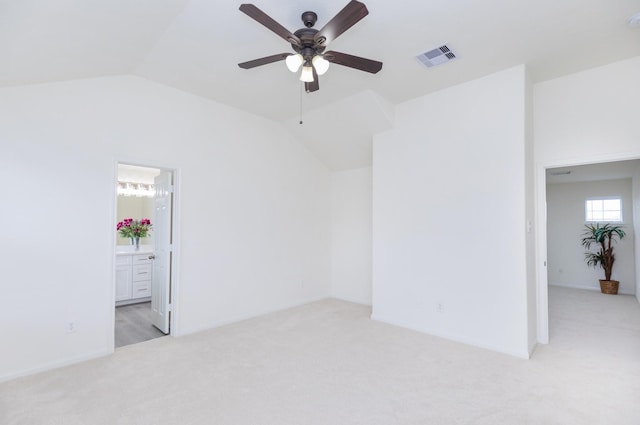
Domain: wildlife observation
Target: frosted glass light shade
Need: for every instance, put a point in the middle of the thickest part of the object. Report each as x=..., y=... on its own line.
x=320, y=64
x=307, y=74
x=294, y=61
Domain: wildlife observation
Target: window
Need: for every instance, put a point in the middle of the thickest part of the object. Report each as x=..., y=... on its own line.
x=609, y=210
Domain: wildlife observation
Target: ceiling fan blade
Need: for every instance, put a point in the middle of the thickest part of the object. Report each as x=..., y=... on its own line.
x=351, y=61
x=345, y=19
x=314, y=85
x=263, y=61
x=257, y=14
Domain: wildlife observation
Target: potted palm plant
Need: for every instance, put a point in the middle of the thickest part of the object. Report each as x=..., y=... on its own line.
x=604, y=238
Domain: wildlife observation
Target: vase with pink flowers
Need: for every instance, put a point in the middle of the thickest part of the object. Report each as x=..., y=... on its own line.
x=134, y=230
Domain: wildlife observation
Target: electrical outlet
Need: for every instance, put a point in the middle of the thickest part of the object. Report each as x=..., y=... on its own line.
x=71, y=327
x=440, y=308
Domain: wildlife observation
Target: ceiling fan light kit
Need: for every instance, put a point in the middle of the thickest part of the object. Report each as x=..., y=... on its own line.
x=309, y=44
x=307, y=74
x=320, y=64
x=294, y=61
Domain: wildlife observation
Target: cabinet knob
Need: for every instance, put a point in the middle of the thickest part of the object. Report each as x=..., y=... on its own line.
x=152, y=257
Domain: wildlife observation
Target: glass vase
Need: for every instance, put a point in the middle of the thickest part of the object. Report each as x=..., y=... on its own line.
x=135, y=242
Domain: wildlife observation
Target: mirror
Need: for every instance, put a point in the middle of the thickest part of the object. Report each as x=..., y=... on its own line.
x=133, y=200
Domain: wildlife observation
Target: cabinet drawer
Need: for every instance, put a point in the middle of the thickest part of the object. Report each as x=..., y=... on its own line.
x=141, y=272
x=123, y=260
x=141, y=259
x=141, y=289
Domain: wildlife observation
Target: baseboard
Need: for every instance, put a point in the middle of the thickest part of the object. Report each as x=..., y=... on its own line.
x=352, y=300
x=588, y=288
x=133, y=301
x=55, y=365
x=515, y=353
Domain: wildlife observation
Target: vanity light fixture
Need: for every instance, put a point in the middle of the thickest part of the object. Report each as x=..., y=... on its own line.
x=136, y=189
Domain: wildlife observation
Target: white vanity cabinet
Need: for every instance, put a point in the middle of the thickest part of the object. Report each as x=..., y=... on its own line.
x=133, y=277
x=123, y=277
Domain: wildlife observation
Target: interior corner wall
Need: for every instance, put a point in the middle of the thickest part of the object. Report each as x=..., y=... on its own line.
x=351, y=235
x=449, y=248
x=565, y=225
x=254, y=212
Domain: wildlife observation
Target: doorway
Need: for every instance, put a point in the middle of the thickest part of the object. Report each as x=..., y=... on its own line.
x=144, y=253
x=562, y=263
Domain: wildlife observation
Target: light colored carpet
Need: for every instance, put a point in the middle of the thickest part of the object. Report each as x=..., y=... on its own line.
x=327, y=363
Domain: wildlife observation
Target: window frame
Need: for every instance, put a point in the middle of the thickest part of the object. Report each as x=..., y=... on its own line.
x=602, y=198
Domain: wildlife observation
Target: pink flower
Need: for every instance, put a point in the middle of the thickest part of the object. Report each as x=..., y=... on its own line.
x=129, y=227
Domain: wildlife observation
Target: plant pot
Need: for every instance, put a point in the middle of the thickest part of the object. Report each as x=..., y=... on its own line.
x=609, y=286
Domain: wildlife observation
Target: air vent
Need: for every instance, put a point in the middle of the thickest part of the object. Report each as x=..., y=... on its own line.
x=436, y=56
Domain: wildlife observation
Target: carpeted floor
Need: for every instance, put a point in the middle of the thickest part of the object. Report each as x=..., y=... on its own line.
x=327, y=363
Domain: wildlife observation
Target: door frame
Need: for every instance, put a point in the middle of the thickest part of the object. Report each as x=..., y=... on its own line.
x=542, y=281
x=174, y=322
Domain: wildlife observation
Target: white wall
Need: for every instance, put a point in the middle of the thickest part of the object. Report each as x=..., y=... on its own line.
x=530, y=219
x=582, y=118
x=255, y=212
x=449, y=215
x=351, y=235
x=589, y=116
x=565, y=226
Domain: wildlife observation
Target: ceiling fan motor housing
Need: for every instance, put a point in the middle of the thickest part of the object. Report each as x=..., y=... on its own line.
x=309, y=19
x=309, y=47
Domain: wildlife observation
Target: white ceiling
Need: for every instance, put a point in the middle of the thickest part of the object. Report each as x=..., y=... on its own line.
x=593, y=172
x=195, y=45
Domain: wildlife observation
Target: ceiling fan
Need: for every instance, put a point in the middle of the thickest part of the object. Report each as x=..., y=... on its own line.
x=309, y=44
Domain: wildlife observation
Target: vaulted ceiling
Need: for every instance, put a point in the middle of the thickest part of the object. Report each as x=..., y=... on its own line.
x=195, y=46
